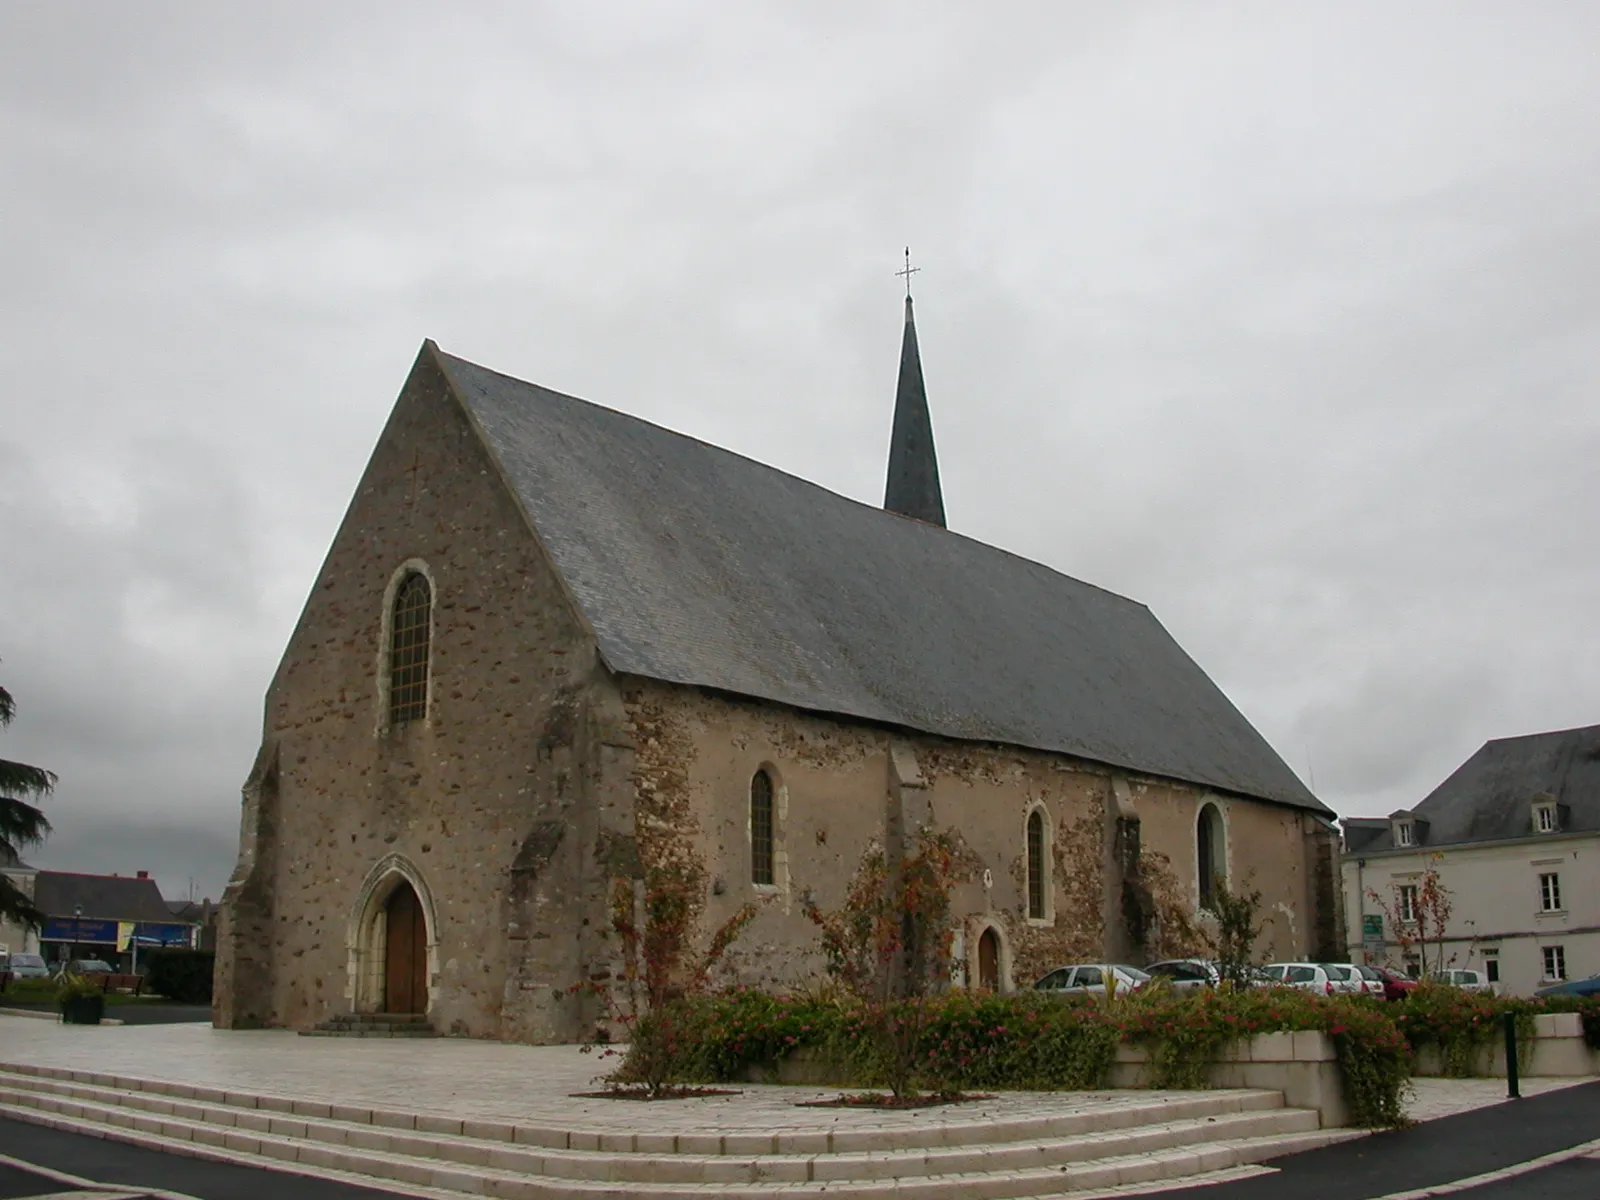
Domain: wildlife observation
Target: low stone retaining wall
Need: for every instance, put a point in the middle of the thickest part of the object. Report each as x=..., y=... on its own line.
x=1303, y=1066
x=1557, y=1049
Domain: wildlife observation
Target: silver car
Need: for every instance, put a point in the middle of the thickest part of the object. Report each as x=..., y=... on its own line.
x=24, y=966
x=1089, y=979
x=1186, y=974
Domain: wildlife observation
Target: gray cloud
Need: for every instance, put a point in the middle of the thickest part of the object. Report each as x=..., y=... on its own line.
x=1279, y=319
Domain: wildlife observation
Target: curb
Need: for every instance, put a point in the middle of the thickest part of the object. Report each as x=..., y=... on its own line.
x=45, y=1015
x=1511, y=1172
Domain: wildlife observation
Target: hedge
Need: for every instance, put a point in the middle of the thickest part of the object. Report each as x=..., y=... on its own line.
x=183, y=976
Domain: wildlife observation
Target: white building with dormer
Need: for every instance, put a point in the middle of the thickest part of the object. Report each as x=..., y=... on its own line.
x=1513, y=836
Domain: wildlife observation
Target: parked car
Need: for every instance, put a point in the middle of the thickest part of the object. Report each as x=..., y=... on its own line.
x=1377, y=985
x=87, y=966
x=1345, y=978
x=1090, y=979
x=1573, y=987
x=24, y=966
x=1467, y=981
x=1185, y=974
x=1395, y=985
x=1305, y=977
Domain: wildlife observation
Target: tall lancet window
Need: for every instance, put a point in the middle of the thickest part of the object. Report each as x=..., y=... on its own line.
x=1210, y=853
x=761, y=855
x=408, y=650
x=1036, y=866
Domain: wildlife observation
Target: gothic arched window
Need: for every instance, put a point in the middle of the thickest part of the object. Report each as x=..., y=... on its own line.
x=408, y=650
x=1036, y=862
x=761, y=830
x=1210, y=856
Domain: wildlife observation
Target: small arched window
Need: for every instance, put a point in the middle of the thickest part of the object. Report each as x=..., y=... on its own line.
x=761, y=831
x=1036, y=859
x=1210, y=862
x=408, y=650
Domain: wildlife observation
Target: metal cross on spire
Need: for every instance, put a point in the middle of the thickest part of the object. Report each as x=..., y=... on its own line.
x=908, y=272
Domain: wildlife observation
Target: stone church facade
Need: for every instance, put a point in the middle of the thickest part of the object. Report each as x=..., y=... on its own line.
x=549, y=639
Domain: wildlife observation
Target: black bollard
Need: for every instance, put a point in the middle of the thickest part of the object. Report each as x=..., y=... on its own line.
x=1510, y=1020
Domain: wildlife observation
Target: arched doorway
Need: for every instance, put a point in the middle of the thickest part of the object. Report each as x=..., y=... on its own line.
x=989, y=960
x=405, y=971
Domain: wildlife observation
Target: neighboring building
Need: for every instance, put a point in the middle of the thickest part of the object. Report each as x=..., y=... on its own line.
x=16, y=938
x=1514, y=838
x=112, y=917
x=201, y=919
x=552, y=645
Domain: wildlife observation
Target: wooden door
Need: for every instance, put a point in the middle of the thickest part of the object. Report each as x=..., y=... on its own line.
x=989, y=961
x=405, y=974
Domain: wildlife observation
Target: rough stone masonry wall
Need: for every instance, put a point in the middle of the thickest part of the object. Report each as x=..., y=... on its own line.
x=494, y=800
x=839, y=785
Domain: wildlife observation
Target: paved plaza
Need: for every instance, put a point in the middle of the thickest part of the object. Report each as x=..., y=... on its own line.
x=535, y=1085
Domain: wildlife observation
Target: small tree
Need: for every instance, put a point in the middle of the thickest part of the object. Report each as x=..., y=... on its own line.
x=1419, y=919
x=21, y=823
x=662, y=972
x=889, y=945
x=1232, y=945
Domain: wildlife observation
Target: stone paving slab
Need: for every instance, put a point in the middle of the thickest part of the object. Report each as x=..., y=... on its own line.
x=485, y=1081
x=492, y=1081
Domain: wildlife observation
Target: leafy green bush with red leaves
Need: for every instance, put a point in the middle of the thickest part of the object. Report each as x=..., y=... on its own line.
x=1034, y=1041
x=1459, y=1023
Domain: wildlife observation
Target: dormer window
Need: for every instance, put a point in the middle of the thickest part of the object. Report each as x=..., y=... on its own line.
x=1545, y=817
x=1405, y=833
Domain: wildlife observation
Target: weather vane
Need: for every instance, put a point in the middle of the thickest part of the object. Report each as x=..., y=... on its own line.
x=908, y=272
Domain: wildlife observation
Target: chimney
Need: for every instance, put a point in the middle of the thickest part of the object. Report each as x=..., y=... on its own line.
x=144, y=874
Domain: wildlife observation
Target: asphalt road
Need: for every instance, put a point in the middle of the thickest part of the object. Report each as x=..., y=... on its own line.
x=1442, y=1151
x=1427, y=1155
x=119, y=1165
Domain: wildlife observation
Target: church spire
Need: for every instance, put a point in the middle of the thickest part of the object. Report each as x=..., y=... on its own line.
x=913, y=485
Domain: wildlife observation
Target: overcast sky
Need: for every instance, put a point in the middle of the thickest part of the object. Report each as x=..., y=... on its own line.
x=1282, y=319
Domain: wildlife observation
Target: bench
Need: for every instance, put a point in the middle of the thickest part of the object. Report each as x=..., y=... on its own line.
x=116, y=983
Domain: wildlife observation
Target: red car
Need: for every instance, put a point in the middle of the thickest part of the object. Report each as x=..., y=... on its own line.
x=1395, y=987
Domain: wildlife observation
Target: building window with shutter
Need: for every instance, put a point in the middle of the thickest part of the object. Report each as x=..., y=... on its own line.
x=1408, y=903
x=1555, y=962
x=762, y=867
x=1550, y=892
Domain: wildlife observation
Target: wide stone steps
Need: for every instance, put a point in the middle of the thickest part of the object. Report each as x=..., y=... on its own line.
x=384, y=1025
x=1028, y=1157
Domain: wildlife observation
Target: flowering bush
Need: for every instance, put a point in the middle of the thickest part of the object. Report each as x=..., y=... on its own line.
x=1459, y=1023
x=1038, y=1042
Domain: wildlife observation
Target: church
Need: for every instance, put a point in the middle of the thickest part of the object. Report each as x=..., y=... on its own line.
x=551, y=642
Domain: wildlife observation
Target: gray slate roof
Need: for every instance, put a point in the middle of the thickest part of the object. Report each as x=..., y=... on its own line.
x=698, y=566
x=104, y=897
x=1488, y=798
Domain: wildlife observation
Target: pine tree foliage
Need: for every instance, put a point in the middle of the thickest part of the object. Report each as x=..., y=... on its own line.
x=22, y=824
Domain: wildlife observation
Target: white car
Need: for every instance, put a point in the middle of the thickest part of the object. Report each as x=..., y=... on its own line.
x=1347, y=980
x=1467, y=981
x=1090, y=979
x=1305, y=977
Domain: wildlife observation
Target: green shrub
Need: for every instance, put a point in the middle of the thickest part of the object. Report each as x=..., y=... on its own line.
x=183, y=976
x=1029, y=1040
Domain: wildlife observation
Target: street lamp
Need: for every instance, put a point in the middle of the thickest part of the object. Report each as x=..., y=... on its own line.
x=77, y=927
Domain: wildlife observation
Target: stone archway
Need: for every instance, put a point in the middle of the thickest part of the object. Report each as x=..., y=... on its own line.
x=393, y=941
x=989, y=960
